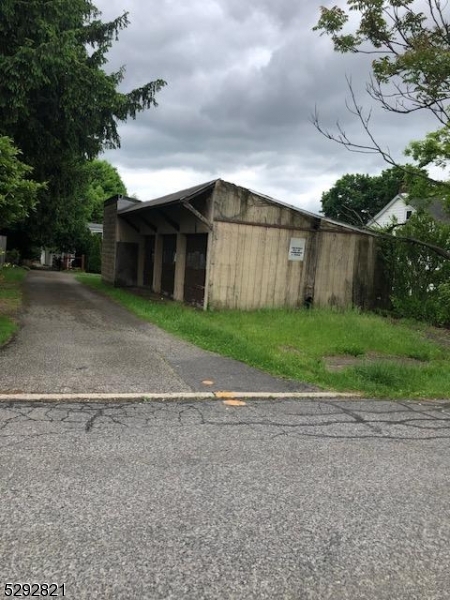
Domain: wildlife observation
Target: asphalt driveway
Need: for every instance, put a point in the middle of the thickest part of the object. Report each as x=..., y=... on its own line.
x=74, y=340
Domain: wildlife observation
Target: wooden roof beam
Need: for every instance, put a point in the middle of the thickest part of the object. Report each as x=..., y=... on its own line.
x=198, y=214
x=132, y=225
x=168, y=219
x=149, y=225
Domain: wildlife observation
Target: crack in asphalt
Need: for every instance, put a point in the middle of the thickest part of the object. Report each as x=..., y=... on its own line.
x=320, y=419
x=191, y=410
x=358, y=418
x=90, y=423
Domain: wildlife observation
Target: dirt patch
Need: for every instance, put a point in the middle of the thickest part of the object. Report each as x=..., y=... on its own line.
x=149, y=295
x=339, y=363
x=439, y=336
x=290, y=349
x=9, y=306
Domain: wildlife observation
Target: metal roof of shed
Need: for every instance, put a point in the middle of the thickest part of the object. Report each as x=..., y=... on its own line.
x=192, y=192
x=174, y=198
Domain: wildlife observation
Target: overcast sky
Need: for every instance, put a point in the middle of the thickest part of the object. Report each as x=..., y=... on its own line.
x=244, y=78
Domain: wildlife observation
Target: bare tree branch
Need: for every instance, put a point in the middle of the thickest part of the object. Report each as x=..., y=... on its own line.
x=397, y=101
x=372, y=147
x=409, y=240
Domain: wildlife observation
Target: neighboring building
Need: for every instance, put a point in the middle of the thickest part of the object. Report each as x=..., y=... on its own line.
x=219, y=245
x=48, y=257
x=400, y=209
x=397, y=210
x=52, y=257
x=96, y=228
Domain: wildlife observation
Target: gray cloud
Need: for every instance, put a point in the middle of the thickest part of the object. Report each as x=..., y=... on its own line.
x=243, y=81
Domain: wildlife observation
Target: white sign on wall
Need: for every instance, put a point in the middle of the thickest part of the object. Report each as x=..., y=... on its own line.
x=297, y=248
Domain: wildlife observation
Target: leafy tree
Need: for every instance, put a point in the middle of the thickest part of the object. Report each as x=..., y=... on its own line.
x=58, y=103
x=17, y=192
x=419, y=275
x=104, y=181
x=356, y=198
x=410, y=42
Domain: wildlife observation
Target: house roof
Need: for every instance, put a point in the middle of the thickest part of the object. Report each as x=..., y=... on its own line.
x=95, y=227
x=436, y=208
x=197, y=190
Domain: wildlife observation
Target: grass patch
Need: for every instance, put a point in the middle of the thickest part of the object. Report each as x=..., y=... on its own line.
x=294, y=343
x=8, y=328
x=10, y=300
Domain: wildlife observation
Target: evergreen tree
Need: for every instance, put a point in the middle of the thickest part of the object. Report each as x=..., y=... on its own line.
x=58, y=103
x=17, y=191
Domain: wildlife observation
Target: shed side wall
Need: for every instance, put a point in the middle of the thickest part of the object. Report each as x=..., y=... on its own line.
x=250, y=268
x=363, y=293
x=345, y=270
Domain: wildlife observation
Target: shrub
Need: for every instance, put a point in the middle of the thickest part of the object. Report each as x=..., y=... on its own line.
x=94, y=254
x=12, y=257
x=419, y=276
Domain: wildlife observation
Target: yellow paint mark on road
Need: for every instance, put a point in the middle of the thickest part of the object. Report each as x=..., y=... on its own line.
x=234, y=402
x=225, y=394
x=208, y=382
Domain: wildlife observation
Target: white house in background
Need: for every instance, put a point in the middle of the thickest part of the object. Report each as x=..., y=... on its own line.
x=96, y=228
x=397, y=210
x=400, y=208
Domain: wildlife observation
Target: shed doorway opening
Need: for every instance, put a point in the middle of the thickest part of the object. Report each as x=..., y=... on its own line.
x=127, y=260
x=168, y=264
x=195, y=271
x=149, y=260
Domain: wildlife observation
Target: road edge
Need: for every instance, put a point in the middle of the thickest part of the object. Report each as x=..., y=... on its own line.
x=172, y=396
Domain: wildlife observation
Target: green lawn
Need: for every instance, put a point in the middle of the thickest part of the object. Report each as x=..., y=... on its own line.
x=394, y=359
x=10, y=300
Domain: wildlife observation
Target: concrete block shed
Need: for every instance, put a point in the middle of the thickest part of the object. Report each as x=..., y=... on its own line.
x=218, y=245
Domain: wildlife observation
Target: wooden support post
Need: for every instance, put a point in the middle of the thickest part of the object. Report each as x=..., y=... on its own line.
x=157, y=269
x=141, y=256
x=180, y=268
x=311, y=256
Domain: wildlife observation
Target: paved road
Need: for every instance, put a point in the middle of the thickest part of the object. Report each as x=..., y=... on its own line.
x=75, y=340
x=271, y=500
